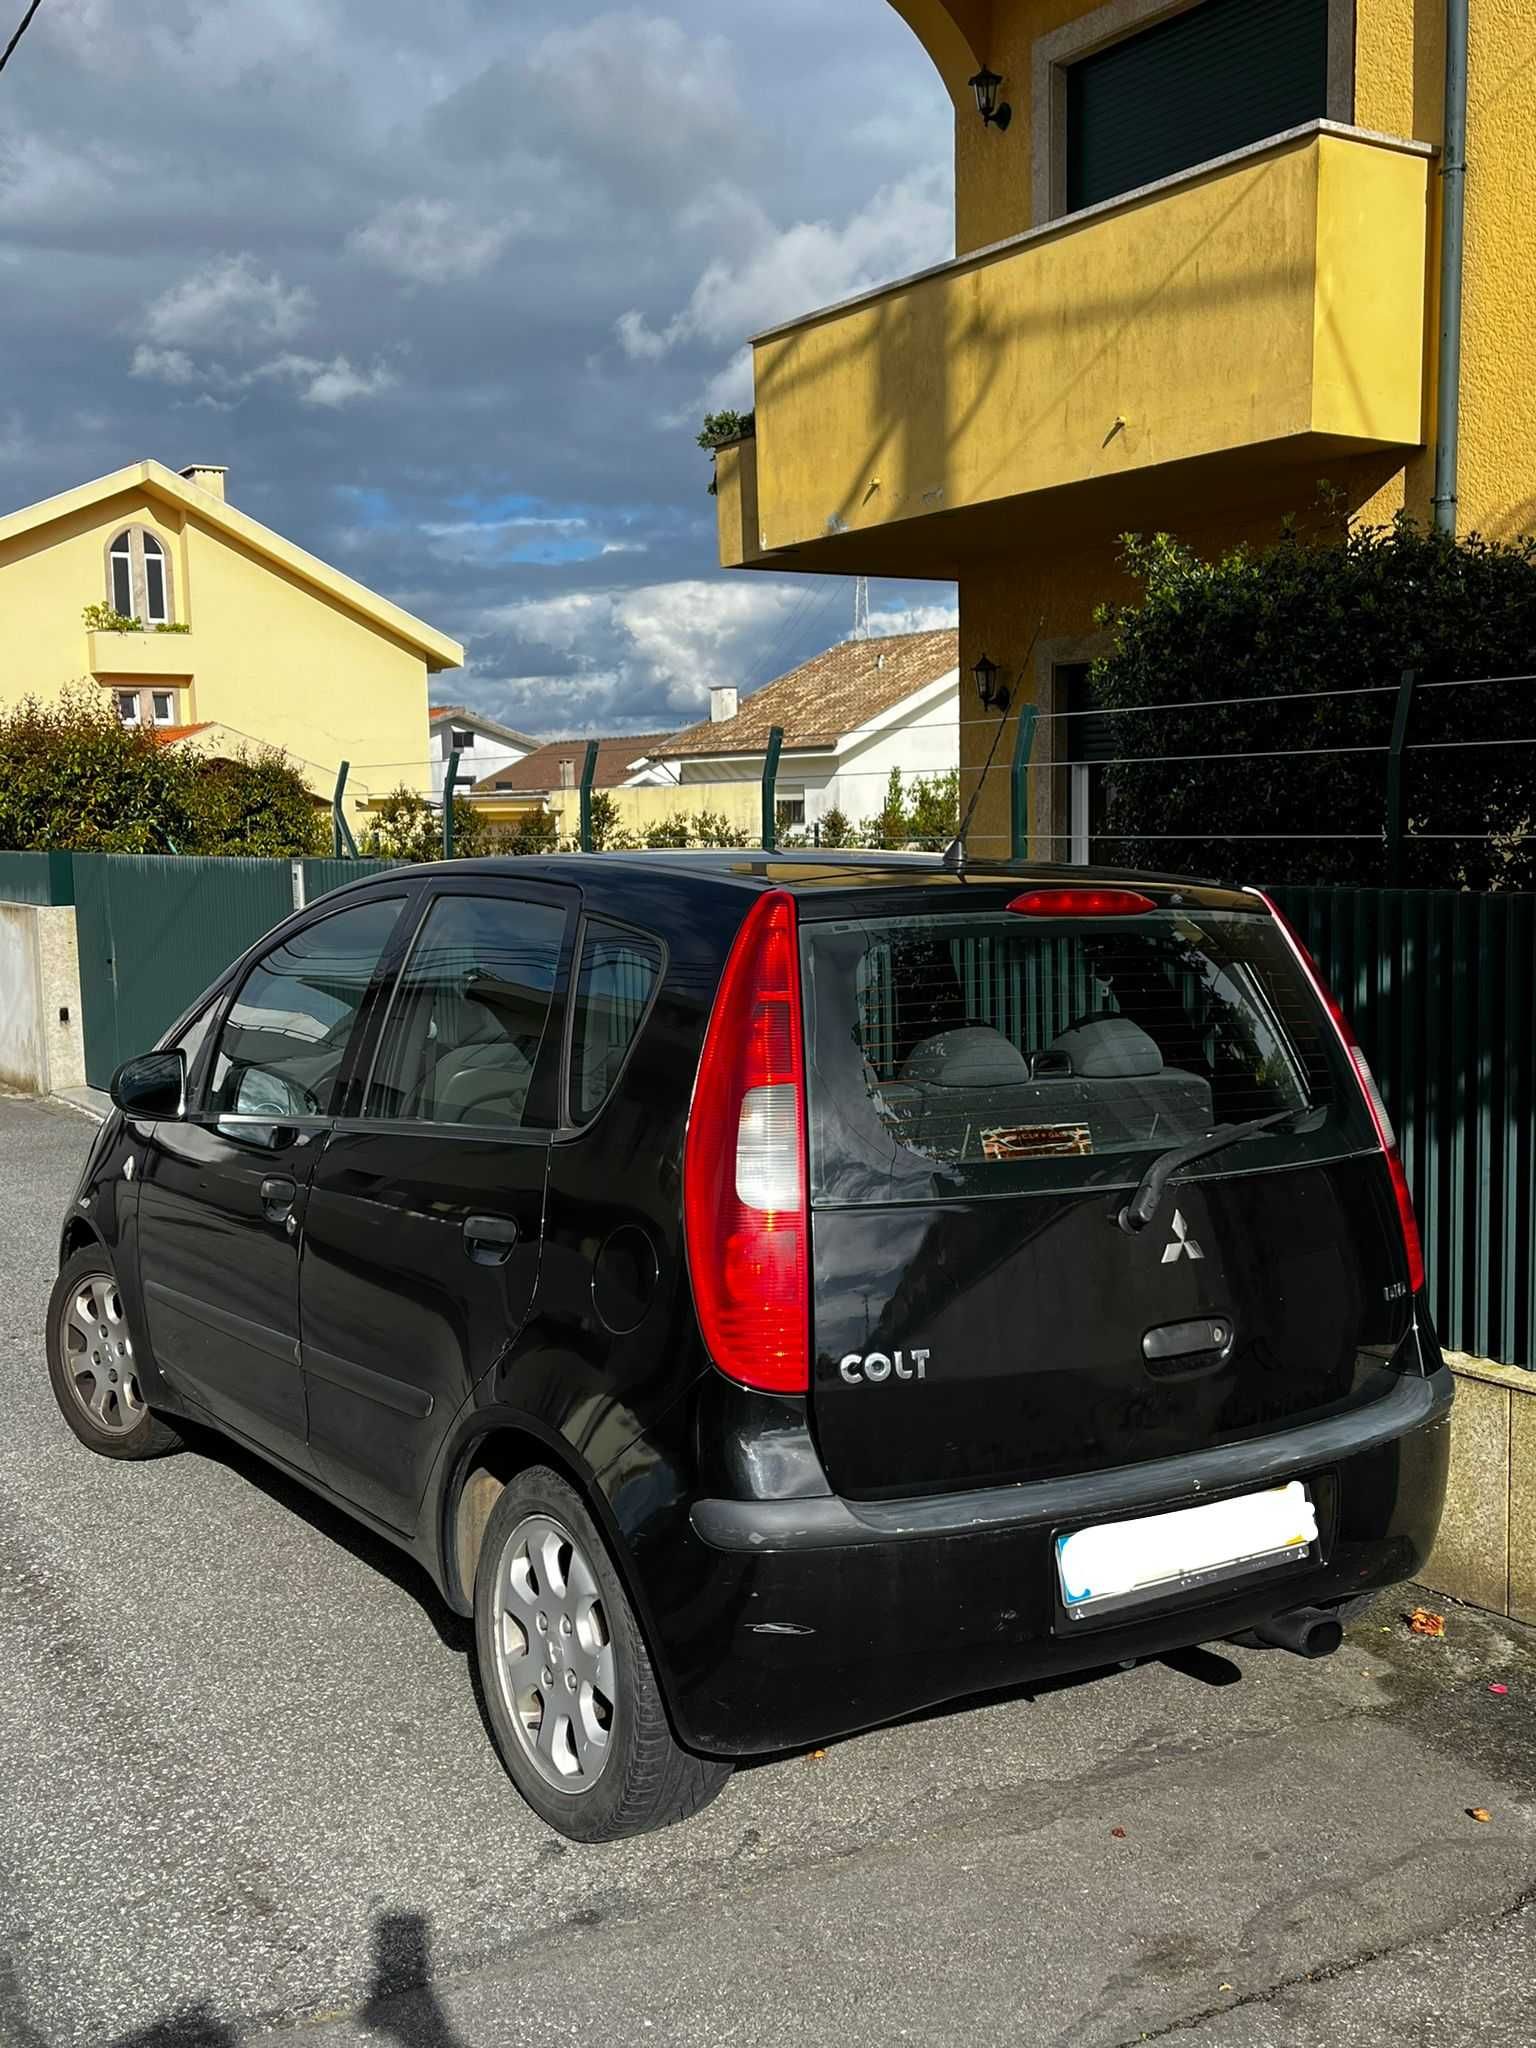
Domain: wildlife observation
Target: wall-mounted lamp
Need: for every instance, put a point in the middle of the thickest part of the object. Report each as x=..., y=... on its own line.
x=994, y=112
x=993, y=694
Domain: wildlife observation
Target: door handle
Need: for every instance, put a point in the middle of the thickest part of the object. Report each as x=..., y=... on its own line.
x=489, y=1240
x=278, y=1195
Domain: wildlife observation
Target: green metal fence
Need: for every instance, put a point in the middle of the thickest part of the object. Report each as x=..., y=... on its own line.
x=36, y=878
x=1441, y=989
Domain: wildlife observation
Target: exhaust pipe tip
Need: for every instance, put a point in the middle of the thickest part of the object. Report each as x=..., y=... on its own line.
x=1305, y=1632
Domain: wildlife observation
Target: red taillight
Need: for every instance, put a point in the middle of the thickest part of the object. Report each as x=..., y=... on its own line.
x=1081, y=903
x=744, y=1197
x=1373, y=1097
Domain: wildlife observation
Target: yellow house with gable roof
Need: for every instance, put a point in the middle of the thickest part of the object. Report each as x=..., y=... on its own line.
x=1200, y=266
x=242, y=638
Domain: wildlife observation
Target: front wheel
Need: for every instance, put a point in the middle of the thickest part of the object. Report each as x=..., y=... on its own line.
x=569, y=1686
x=91, y=1364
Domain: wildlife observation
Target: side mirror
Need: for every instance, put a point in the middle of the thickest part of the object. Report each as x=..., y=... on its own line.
x=152, y=1088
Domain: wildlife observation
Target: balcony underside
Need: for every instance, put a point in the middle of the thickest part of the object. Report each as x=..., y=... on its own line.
x=1221, y=341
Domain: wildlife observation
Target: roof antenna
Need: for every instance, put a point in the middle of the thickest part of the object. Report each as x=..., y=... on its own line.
x=954, y=853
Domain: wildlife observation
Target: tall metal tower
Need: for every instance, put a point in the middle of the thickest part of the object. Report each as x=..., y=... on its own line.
x=861, y=608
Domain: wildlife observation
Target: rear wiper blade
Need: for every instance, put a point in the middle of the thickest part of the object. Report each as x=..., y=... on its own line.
x=1143, y=1205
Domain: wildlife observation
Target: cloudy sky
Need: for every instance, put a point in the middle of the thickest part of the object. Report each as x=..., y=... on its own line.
x=450, y=287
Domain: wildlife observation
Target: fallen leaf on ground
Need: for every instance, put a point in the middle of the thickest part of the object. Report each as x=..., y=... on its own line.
x=1423, y=1623
x=1478, y=1813
x=816, y=1756
x=1118, y=1833
x=1498, y=1688
x=1223, y=1987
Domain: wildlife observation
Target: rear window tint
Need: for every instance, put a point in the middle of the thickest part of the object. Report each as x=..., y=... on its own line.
x=994, y=1054
x=615, y=980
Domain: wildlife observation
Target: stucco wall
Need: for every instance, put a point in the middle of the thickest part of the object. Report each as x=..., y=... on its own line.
x=739, y=802
x=42, y=1047
x=272, y=657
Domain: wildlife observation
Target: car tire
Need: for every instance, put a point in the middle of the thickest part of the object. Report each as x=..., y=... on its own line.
x=569, y=1687
x=91, y=1363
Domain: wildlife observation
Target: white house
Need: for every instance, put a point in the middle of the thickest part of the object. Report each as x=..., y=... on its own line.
x=848, y=718
x=482, y=745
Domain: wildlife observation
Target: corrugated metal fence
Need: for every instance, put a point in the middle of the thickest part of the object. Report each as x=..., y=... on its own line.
x=1441, y=989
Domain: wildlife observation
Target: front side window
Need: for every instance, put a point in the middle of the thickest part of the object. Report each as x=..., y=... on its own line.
x=1210, y=79
x=463, y=741
x=615, y=980
x=128, y=706
x=162, y=705
x=469, y=1014
x=282, y=1046
x=999, y=1054
x=790, y=809
x=147, y=707
x=139, y=576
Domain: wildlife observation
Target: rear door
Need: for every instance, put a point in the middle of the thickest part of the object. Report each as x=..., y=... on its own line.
x=986, y=1091
x=425, y=1214
x=221, y=1205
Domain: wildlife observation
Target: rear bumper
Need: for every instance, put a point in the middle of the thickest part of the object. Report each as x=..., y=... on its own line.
x=825, y=1616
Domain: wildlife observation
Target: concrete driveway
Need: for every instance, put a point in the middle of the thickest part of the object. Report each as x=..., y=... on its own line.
x=247, y=1790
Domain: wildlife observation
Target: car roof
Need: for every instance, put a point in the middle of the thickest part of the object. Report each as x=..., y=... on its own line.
x=812, y=873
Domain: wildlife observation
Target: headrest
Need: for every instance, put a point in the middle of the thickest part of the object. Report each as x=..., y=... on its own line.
x=1109, y=1049
x=973, y=1056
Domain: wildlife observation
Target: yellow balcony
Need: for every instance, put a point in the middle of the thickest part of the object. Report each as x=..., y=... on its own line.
x=144, y=657
x=1219, y=337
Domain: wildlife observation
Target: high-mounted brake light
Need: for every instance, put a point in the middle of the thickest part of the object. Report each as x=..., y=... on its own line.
x=745, y=1210
x=1361, y=1067
x=1081, y=903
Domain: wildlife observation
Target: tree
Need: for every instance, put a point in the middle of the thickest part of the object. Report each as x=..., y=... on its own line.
x=834, y=829
x=406, y=827
x=934, y=815
x=74, y=778
x=1324, y=613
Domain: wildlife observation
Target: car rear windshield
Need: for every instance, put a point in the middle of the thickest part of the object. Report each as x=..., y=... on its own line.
x=995, y=1054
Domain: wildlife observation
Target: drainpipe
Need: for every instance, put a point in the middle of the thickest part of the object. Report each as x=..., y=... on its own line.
x=1453, y=172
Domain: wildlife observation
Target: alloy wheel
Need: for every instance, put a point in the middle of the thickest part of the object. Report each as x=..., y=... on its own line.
x=98, y=1355
x=554, y=1653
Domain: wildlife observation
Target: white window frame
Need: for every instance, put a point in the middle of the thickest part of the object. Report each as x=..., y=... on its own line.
x=461, y=740
x=130, y=544
x=121, y=700
x=1053, y=55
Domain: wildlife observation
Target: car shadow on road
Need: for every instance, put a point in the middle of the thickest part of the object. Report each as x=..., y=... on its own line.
x=454, y=1631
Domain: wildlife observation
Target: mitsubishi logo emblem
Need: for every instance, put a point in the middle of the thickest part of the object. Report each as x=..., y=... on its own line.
x=1182, y=1244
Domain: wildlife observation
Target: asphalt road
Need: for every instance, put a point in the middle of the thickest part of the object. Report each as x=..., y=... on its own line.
x=247, y=1792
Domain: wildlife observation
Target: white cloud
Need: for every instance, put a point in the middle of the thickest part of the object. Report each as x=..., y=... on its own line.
x=432, y=241
x=783, y=274
x=334, y=383
x=167, y=365
x=913, y=618
x=228, y=301
x=666, y=640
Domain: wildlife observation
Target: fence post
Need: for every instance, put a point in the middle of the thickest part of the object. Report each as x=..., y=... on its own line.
x=450, y=783
x=1018, y=788
x=61, y=877
x=343, y=845
x=1396, y=800
x=588, y=772
x=770, y=785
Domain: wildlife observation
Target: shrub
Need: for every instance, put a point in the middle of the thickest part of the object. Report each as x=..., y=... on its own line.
x=714, y=828
x=1314, y=613
x=102, y=618
x=406, y=827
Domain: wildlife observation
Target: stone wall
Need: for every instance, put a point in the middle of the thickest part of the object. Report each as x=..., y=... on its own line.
x=1487, y=1549
x=42, y=1043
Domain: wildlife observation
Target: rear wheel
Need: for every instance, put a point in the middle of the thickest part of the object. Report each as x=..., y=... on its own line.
x=569, y=1686
x=92, y=1367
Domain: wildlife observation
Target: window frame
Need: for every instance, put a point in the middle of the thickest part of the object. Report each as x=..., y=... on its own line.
x=1054, y=54
x=138, y=582
x=569, y=1126
x=461, y=740
x=545, y=1090
x=240, y=973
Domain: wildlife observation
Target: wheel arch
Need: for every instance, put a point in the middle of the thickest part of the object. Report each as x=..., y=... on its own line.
x=77, y=1234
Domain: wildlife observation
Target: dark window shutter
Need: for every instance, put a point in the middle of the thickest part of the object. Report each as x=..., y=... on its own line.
x=1090, y=733
x=1222, y=75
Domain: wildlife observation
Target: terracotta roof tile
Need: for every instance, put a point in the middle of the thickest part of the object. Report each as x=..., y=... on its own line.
x=540, y=771
x=168, y=735
x=834, y=694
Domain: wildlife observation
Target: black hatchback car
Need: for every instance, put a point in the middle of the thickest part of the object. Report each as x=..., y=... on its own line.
x=775, y=1294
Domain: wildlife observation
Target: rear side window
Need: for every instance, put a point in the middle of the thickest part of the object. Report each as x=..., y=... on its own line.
x=286, y=1034
x=615, y=980
x=998, y=1054
x=469, y=1014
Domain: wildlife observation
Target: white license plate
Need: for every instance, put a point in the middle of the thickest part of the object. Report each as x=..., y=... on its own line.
x=1125, y=1561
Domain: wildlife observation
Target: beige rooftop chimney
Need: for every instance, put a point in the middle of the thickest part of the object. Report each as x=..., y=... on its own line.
x=724, y=703
x=208, y=476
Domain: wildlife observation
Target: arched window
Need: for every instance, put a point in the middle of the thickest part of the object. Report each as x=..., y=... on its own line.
x=139, y=576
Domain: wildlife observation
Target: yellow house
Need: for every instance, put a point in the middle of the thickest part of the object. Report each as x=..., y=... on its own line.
x=271, y=646
x=1206, y=253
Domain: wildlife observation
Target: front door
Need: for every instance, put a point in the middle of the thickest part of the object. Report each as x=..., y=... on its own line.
x=221, y=1206
x=422, y=1232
